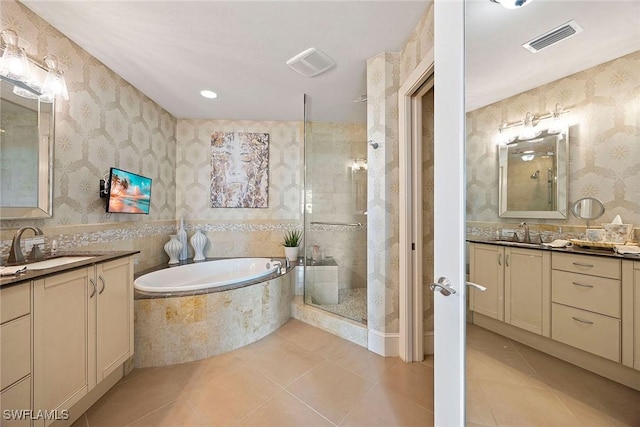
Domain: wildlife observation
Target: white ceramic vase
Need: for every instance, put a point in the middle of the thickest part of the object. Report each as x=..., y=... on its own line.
x=173, y=248
x=291, y=253
x=182, y=237
x=198, y=241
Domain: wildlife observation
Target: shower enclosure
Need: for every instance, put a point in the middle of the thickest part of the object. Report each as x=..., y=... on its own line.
x=335, y=206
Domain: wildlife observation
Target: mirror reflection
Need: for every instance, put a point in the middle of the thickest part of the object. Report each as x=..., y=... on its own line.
x=533, y=177
x=26, y=129
x=588, y=208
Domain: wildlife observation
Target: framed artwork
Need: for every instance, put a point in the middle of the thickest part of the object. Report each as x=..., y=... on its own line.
x=239, y=170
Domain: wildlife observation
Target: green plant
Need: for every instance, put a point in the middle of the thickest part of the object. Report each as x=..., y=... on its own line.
x=292, y=239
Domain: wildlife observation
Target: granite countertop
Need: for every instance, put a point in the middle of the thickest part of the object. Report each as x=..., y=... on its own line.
x=571, y=250
x=97, y=257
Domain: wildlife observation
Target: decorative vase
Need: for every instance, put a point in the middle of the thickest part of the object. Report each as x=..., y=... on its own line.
x=182, y=237
x=198, y=241
x=173, y=248
x=291, y=253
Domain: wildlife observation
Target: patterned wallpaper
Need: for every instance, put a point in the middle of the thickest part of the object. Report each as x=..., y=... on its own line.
x=604, y=140
x=385, y=74
x=106, y=122
x=240, y=231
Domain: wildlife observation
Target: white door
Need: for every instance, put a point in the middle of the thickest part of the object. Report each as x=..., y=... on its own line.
x=449, y=209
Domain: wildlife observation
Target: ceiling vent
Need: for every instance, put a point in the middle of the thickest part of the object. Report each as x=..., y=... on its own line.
x=311, y=62
x=552, y=37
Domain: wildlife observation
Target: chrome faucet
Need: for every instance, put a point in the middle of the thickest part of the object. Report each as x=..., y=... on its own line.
x=15, y=253
x=527, y=236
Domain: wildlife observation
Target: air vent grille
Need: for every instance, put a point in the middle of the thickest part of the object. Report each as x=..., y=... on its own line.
x=552, y=37
x=311, y=62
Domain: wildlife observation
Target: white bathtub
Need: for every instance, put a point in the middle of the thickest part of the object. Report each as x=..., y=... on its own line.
x=204, y=275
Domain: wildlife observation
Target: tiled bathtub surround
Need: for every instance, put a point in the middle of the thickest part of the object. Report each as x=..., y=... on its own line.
x=181, y=329
x=604, y=141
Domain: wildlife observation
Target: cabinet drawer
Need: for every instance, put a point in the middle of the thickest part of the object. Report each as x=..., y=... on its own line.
x=587, y=331
x=586, y=264
x=14, y=301
x=15, y=350
x=16, y=397
x=636, y=265
x=591, y=293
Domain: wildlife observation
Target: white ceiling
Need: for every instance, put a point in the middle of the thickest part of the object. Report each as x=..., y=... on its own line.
x=170, y=50
x=173, y=49
x=497, y=66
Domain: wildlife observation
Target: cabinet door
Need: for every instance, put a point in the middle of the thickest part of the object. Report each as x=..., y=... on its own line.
x=486, y=264
x=527, y=289
x=61, y=339
x=114, y=315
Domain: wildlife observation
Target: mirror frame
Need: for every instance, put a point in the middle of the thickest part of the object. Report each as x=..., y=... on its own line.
x=44, y=208
x=578, y=212
x=562, y=150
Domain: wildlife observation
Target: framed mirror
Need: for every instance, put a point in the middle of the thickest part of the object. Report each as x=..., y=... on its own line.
x=533, y=177
x=26, y=155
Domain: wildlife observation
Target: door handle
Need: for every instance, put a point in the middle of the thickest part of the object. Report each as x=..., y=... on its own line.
x=444, y=286
x=499, y=259
x=104, y=285
x=478, y=287
x=94, y=288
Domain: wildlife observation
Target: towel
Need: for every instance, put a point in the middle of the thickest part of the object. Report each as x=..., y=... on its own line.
x=559, y=243
x=627, y=249
x=12, y=271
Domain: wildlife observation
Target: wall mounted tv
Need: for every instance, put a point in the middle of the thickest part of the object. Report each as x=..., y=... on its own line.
x=128, y=192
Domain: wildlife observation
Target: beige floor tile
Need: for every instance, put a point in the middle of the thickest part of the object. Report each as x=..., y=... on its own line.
x=478, y=337
x=382, y=407
x=176, y=414
x=203, y=372
x=518, y=405
x=80, y=422
x=602, y=414
x=478, y=410
x=413, y=381
x=232, y=396
x=256, y=349
x=132, y=399
x=505, y=366
x=313, y=340
x=428, y=360
x=285, y=364
x=330, y=389
x=365, y=363
x=136, y=372
x=293, y=328
x=284, y=410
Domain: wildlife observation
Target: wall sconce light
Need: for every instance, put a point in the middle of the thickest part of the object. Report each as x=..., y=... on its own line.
x=15, y=68
x=512, y=4
x=360, y=164
x=529, y=126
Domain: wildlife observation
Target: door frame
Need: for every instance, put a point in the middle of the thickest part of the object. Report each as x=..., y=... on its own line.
x=410, y=292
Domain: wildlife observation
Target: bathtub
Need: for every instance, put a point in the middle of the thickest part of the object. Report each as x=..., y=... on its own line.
x=194, y=311
x=205, y=275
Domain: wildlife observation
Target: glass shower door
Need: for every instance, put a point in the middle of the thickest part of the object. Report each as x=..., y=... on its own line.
x=335, y=212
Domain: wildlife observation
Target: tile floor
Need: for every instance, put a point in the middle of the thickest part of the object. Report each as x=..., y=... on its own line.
x=303, y=376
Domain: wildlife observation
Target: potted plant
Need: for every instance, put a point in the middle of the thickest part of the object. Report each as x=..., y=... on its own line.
x=291, y=243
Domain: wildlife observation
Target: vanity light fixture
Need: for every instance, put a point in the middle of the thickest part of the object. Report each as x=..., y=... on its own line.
x=529, y=126
x=512, y=4
x=208, y=94
x=15, y=68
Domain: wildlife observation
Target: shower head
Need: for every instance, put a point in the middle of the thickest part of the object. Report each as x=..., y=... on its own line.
x=535, y=175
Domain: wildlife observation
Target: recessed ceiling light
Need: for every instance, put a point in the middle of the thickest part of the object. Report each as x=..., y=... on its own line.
x=208, y=94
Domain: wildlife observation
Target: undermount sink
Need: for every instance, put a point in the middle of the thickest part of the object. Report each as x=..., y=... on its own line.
x=56, y=262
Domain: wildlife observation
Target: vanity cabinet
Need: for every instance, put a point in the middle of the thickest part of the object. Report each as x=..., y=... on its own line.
x=517, y=282
x=586, y=303
x=83, y=331
x=15, y=351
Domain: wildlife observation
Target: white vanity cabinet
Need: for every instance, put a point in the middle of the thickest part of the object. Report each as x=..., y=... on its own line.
x=518, y=285
x=586, y=303
x=83, y=331
x=15, y=351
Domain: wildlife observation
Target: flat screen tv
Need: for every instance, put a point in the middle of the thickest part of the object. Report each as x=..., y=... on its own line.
x=128, y=192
